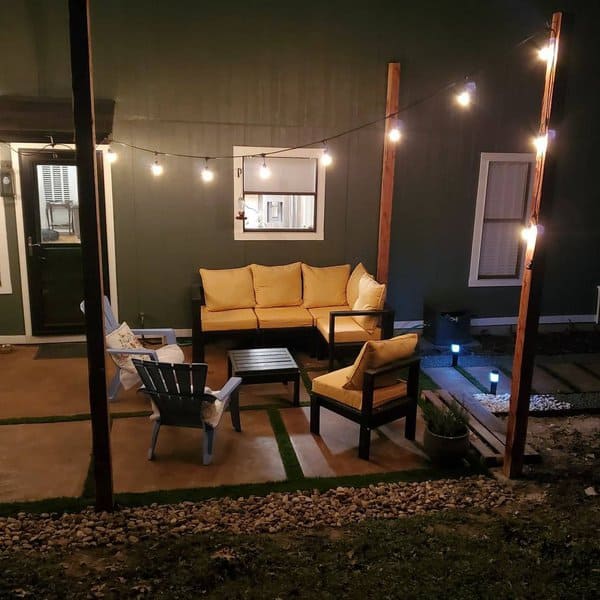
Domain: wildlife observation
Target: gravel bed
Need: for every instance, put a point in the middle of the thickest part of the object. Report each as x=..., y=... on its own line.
x=255, y=514
x=538, y=402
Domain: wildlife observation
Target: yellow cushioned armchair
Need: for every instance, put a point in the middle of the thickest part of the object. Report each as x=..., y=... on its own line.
x=369, y=392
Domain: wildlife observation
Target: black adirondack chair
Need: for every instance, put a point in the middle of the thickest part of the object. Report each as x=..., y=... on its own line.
x=177, y=390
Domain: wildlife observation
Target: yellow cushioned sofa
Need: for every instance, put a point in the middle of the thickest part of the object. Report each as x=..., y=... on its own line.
x=344, y=307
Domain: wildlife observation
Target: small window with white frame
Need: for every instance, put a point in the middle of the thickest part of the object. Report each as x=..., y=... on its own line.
x=503, y=200
x=278, y=196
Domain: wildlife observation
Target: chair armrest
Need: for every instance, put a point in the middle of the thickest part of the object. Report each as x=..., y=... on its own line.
x=197, y=293
x=232, y=384
x=167, y=334
x=134, y=351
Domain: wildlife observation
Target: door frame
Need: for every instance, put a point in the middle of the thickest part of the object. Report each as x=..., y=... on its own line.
x=28, y=337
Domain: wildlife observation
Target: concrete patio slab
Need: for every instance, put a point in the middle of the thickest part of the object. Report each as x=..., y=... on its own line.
x=251, y=456
x=592, y=363
x=44, y=460
x=544, y=383
x=450, y=379
x=335, y=452
x=482, y=374
x=36, y=388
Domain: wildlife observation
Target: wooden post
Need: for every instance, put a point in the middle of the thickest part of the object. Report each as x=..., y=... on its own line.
x=387, y=174
x=531, y=289
x=87, y=187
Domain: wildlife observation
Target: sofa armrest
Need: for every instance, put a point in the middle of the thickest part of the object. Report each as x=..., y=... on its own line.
x=386, y=314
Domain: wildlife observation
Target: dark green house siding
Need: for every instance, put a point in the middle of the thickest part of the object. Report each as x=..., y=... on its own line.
x=199, y=78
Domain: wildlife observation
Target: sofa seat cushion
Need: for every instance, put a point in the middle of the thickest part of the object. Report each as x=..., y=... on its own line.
x=371, y=296
x=331, y=385
x=283, y=316
x=347, y=330
x=227, y=289
x=375, y=355
x=324, y=286
x=323, y=312
x=228, y=320
x=277, y=286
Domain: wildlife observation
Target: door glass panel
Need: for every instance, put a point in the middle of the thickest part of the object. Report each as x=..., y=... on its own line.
x=59, y=204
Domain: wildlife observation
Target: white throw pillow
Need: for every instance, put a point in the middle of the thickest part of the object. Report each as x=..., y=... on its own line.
x=122, y=338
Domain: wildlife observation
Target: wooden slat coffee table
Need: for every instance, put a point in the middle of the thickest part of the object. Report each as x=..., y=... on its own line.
x=265, y=365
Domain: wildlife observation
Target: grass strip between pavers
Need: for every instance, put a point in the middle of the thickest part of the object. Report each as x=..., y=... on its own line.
x=472, y=379
x=48, y=419
x=290, y=461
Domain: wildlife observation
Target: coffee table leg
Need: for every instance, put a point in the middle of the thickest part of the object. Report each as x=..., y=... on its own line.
x=296, y=401
x=234, y=408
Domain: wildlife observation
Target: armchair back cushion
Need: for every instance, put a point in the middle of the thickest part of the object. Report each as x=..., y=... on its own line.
x=277, y=286
x=324, y=286
x=371, y=296
x=376, y=354
x=228, y=289
x=352, y=285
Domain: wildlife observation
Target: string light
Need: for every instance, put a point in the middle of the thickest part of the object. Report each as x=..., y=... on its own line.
x=395, y=134
x=156, y=168
x=465, y=97
x=326, y=159
x=546, y=53
x=529, y=234
x=207, y=174
x=111, y=155
x=541, y=141
x=264, y=171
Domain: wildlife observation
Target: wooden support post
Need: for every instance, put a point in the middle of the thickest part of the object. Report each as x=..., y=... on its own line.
x=87, y=186
x=531, y=288
x=387, y=174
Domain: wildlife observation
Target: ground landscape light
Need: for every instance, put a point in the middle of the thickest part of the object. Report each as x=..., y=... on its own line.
x=455, y=348
x=494, y=379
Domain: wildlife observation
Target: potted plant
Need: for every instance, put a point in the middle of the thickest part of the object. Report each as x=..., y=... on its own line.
x=446, y=437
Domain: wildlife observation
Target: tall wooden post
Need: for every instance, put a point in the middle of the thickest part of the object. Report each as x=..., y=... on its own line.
x=531, y=289
x=387, y=174
x=87, y=187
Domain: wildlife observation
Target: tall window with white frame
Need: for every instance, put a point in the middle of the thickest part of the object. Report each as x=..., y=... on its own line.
x=503, y=198
x=278, y=196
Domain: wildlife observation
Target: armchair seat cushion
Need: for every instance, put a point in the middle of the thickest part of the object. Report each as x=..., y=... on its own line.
x=286, y=316
x=228, y=320
x=322, y=312
x=331, y=385
x=347, y=330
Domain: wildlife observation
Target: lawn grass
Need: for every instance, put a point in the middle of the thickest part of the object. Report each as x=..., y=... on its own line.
x=544, y=554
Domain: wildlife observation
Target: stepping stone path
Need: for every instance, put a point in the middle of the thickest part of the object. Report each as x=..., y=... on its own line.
x=450, y=379
x=579, y=379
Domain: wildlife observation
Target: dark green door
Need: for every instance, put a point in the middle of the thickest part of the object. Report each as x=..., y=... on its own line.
x=51, y=220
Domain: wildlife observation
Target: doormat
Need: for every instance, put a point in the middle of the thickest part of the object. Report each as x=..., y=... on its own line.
x=63, y=350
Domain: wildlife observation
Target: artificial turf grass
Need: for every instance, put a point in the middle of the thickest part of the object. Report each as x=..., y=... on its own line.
x=291, y=464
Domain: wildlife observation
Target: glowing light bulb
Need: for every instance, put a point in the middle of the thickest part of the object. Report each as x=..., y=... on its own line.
x=326, y=159
x=541, y=143
x=465, y=97
x=529, y=234
x=207, y=174
x=111, y=155
x=157, y=168
x=494, y=376
x=264, y=172
x=394, y=134
x=546, y=53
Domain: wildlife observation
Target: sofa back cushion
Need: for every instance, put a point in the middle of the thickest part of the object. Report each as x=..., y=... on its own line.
x=324, y=286
x=371, y=296
x=277, y=286
x=377, y=354
x=352, y=285
x=227, y=289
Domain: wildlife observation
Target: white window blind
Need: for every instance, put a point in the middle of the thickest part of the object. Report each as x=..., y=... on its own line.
x=288, y=176
x=502, y=207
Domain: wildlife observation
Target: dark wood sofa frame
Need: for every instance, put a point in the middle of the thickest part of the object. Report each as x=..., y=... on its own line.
x=261, y=337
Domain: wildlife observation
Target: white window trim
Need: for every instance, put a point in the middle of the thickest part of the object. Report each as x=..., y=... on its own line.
x=5, y=283
x=486, y=159
x=238, y=227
